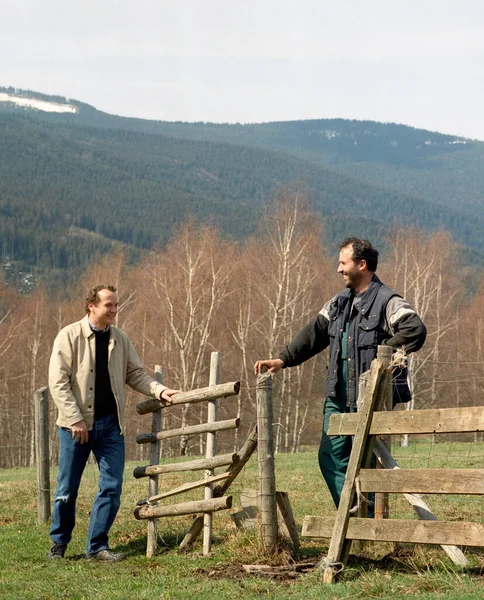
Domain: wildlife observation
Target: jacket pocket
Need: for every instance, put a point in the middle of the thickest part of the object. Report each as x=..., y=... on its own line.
x=333, y=327
x=368, y=332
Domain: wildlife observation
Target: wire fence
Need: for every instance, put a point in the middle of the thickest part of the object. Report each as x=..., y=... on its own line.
x=439, y=450
x=429, y=451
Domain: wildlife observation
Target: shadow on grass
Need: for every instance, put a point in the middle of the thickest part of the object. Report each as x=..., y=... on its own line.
x=362, y=564
x=75, y=557
x=137, y=546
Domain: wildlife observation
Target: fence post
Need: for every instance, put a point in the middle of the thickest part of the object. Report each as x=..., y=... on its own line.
x=267, y=477
x=210, y=451
x=156, y=426
x=41, y=424
x=384, y=402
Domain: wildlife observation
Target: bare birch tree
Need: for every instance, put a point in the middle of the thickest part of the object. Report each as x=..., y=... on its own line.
x=191, y=281
x=423, y=272
x=291, y=288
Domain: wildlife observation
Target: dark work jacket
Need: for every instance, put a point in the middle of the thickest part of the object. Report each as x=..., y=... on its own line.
x=367, y=329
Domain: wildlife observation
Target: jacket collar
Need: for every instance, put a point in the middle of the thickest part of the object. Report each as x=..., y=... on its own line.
x=365, y=301
x=86, y=329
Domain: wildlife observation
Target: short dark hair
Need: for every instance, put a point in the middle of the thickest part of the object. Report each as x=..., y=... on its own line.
x=92, y=296
x=362, y=250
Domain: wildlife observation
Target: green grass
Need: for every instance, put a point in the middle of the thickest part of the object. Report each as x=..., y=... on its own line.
x=380, y=571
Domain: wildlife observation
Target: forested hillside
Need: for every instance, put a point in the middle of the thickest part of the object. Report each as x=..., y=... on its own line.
x=442, y=168
x=73, y=186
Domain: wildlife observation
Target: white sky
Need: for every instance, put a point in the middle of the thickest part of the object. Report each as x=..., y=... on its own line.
x=418, y=62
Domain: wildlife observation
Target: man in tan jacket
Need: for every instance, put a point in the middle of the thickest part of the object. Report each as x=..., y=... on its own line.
x=90, y=363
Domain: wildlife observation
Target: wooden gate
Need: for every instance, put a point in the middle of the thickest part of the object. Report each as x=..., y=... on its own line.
x=366, y=426
x=215, y=500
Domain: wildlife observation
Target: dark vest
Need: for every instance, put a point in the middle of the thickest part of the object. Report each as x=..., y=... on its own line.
x=367, y=329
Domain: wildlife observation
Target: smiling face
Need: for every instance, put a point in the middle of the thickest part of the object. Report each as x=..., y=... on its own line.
x=104, y=312
x=354, y=273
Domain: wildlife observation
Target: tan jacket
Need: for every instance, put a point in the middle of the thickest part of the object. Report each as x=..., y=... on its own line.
x=72, y=373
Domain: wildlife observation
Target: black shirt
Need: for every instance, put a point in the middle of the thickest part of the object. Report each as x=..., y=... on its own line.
x=104, y=401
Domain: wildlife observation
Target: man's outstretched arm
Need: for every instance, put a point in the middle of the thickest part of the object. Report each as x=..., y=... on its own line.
x=312, y=339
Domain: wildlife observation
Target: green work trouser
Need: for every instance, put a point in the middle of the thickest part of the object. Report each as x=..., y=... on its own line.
x=334, y=452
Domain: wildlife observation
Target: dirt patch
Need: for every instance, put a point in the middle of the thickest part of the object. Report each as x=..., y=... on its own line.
x=239, y=572
x=6, y=520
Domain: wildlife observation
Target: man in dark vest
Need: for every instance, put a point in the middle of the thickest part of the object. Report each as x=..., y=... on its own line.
x=353, y=323
x=90, y=363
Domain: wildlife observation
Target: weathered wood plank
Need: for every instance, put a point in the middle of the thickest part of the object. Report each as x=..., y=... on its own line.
x=146, y=438
x=156, y=425
x=185, y=487
x=423, y=481
x=190, y=465
x=418, y=503
x=384, y=402
x=235, y=468
x=193, y=533
x=267, y=475
x=185, y=508
x=41, y=423
x=439, y=420
x=210, y=451
x=361, y=435
x=212, y=392
x=287, y=524
x=460, y=533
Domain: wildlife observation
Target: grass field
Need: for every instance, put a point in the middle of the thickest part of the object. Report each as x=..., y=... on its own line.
x=378, y=571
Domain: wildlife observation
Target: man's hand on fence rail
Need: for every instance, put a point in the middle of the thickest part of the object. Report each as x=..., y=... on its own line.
x=273, y=365
x=167, y=393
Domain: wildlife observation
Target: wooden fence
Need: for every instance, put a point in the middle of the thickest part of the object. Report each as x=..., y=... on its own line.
x=41, y=418
x=214, y=499
x=366, y=426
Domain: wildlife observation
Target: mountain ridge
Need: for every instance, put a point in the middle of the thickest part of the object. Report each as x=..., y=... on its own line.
x=442, y=167
x=109, y=174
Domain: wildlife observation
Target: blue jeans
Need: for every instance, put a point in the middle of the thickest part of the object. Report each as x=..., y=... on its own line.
x=107, y=445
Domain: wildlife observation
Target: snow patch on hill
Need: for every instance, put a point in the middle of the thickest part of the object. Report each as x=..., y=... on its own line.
x=38, y=104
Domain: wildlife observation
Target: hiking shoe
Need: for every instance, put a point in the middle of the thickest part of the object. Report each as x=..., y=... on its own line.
x=106, y=555
x=57, y=551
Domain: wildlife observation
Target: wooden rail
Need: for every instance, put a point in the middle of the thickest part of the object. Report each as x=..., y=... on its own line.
x=459, y=533
x=436, y=420
x=184, y=508
x=209, y=393
x=189, y=465
x=146, y=438
x=185, y=487
x=423, y=481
